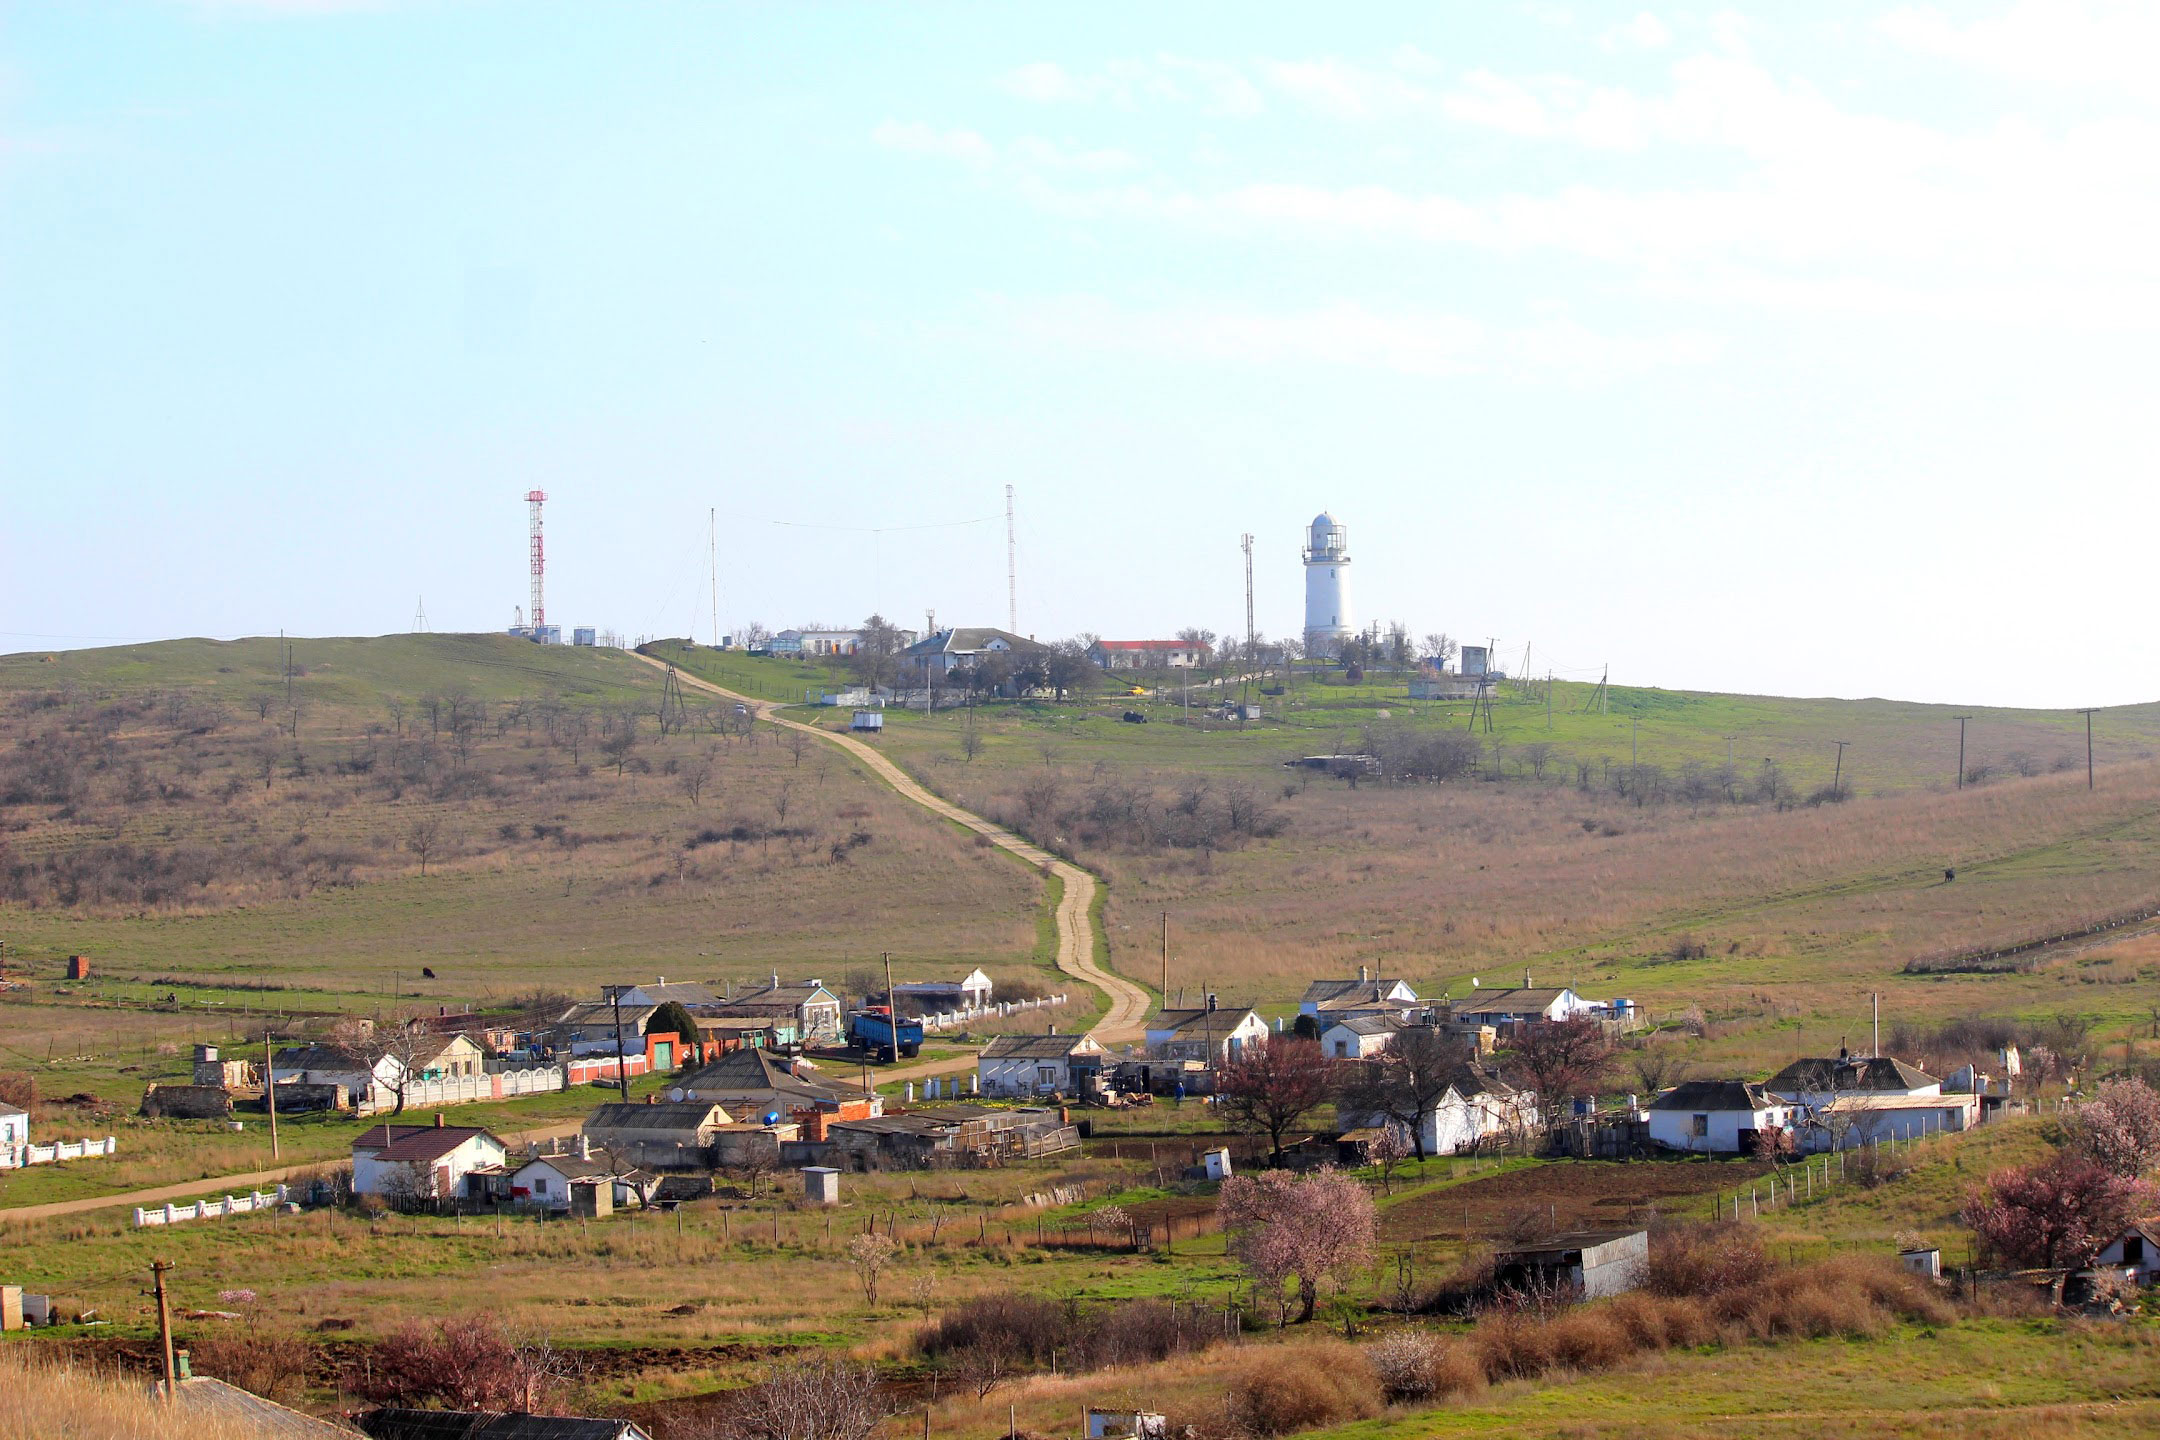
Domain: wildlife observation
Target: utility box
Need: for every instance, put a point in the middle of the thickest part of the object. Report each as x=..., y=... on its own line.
x=820, y=1185
x=592, y=1197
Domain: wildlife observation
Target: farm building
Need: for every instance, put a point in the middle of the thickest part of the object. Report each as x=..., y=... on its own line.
x=422, y=1162
x=1716, y=1117
x=1521, y=1006
x=1039, y=1064
x=662, y=1133
x=1592, y=1263
x=1327, y=1000
x=2136, y=1250
x=686, y=993
x=1211, y=1034
x=927, y=997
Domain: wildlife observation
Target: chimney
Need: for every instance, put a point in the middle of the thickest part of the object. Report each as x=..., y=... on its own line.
x=1053, y=1027
x=1211, y=1001
x=1526, y=979
x=584, y=1147
x=1364, y=973
x=659, y=981
x=438, y=1120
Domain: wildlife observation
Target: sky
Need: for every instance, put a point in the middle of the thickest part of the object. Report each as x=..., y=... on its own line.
x=1796, y=350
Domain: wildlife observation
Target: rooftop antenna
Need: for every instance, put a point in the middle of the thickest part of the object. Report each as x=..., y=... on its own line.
x=712, y=565
x=419, y=619
x=1012, y=582
x=534, y=499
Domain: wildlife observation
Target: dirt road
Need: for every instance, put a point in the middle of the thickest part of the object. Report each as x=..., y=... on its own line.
x=1126, y=1019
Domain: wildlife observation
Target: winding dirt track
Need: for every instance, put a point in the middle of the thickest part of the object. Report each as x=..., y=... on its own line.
x=1126, y=1019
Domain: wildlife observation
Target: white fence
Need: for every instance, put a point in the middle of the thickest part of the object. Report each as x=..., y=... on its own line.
x=15, y=1156
x=210, y=1209
x=465, y=1089
x=954, y=1019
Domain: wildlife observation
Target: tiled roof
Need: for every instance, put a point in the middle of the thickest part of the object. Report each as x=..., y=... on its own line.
x=1511, y=1002
x=1036, y=1047
x=417, y=1142
x=1712, y=1095
x=1871, y=1072
x=1221, y=1019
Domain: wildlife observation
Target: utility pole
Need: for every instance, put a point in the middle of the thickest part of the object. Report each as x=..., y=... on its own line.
x=2088, y=748
x=622, y=1078
x=270, y=1094
x=892, y=1010
x=1961, y=750
x=1166, y=957
x=1876, y=997
x=164, y=1324
x=1838, y=775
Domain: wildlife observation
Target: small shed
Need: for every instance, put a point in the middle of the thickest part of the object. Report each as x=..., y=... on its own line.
x=592, y=1197
x=1925, y=1262
x=868, y=720
x=821, y=1185
x=1594, y=1263
x=1126, y=1424
x=1216, y=1163
x=78, y=967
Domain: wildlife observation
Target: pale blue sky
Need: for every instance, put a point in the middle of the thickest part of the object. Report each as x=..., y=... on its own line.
x=1805, y=350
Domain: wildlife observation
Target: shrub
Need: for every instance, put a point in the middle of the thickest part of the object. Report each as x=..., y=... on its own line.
x=1696, y=1259
x=273, y=1366
x=1303, y=1389
x=1512, y=1344
x=1413, y=1366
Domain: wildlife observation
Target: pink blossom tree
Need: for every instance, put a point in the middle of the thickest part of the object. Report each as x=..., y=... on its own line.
x=2056, y=1213
x=1312, y=1229
x=2119, y=1128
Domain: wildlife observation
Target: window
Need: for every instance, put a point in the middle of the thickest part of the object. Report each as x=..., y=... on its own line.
x=2134, y=1250
x=1046, y=1076
x=539, y=1184
x=1342, y=1049
x=1700, y=1128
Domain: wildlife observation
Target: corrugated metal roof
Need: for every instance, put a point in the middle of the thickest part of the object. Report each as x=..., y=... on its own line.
x=492, y=1425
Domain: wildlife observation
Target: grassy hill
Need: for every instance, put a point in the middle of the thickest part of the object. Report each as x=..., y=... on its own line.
x=1669, y=880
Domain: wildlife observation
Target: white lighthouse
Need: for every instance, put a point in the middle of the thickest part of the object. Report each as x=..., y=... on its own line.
x=1327, y=585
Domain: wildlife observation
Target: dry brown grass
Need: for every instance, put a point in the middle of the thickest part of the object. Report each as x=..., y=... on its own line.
x=65, y=1402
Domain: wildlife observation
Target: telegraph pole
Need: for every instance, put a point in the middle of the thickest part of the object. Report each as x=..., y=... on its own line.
x=1961, y=750
x=1166, y=957
x=2088, y=748
x=270, y=1094
x=1838, y=774
x=622, y=1079
x=164, y=1324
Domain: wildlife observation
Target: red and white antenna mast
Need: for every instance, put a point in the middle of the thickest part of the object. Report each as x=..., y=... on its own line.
x=534, y=499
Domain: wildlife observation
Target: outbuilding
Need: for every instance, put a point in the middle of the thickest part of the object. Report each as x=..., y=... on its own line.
x=1590, y=1263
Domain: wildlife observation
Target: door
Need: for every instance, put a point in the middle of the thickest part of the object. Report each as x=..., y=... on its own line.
x=663, y=1054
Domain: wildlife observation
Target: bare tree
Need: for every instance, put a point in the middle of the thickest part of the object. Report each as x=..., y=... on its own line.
x=816, y=1400
x=877, y=648
x=694, y=778
x=264, y=702
x=424, y=837
x=1273, y=1084
x=797, y=744
x=1405, y=1082
x=783, y=796
x=1657, y=1067
x=870, y=1254
x=971, y=741
x=755, y=636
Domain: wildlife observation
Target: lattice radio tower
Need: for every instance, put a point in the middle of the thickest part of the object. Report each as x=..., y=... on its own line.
x=1252, y=643
x=1012, y=572
x=534, y=499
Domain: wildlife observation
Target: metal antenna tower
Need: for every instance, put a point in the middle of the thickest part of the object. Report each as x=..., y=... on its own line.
x=1252, y=640
x=712, y=564
x=1012, y=572
x=534, y=499
x=419, y=617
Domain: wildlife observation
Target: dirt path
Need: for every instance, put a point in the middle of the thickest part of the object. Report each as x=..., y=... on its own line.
x=221, y=1184
x=1126, y=1019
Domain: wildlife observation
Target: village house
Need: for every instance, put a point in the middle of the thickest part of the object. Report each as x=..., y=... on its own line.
x=14, y=1133
x=1523, y=1005
x=405, y=1163
x=544, y=1181
x=687, y=993
x=1211, y=1034
x=814, y=1010
x=2135, y=1252
x=1150, y=654
x=1716, y=1117
x=933, y=997
x=1359, y=1038
x=1476, y=1109
x=765, y=1088
x=669, y=1133
x=1040, y=1065
x=1331, y=1000
x=939, y=655
x=590, y=1029
x=373, y=1083
x=1859, y=1100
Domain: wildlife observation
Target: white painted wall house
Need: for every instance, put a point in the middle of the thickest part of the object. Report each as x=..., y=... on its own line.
x=1521, y=1006
x=1038, y=1064
x=14, y=1132
x=421, y=1162
x=1360, y=1038
x=1715, y=1117
x=1213, y=1034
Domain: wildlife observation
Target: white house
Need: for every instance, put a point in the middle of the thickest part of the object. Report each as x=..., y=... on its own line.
x=590, y=1029
x=2136, y=1250
x=971, y=992
x=1856, y=1100
x=375, y=1084
x=1360, y=1037
x=962, y=649
x=686, y=993
x=1149, y=654
x=1477, y=1108
x=1211, y=1034
x=1521, y=1006
x=1039, y=1064
x=1367, y=995
x=1716, y=1117
x=544, y=1181
x=815, y=1010
x=14, y=1132
x=422, y=1162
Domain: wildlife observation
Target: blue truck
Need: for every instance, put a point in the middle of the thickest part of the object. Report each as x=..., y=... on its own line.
x=871, y=1030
